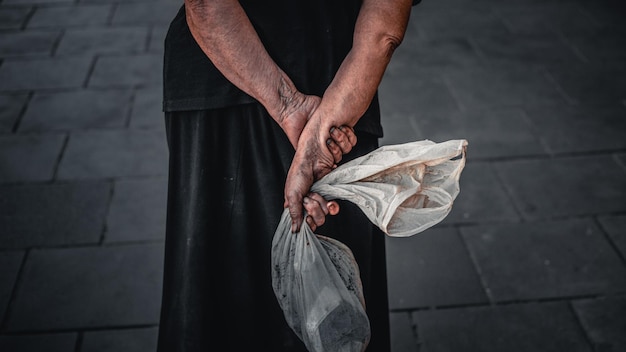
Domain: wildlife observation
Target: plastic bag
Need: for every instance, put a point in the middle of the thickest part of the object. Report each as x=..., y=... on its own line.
x=317, y=283
x=403, y=189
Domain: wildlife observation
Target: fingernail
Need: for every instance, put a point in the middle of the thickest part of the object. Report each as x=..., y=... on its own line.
x=328, y=141
x=305, y=199
x=332, y=129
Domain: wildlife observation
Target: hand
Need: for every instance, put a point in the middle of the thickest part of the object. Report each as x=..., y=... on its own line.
x=313, y=160
x=295, y=114
x=317, y=208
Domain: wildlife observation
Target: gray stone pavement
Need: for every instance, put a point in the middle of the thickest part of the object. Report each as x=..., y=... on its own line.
x=531, y=258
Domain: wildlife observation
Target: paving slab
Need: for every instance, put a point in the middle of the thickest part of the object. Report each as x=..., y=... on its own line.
x=547, y=17
x=600, y=45
x=10, y=262
x=482, y=197
x=615, y=226
x=475, y=19
x=491, y=133
x=81, y=109
x=604, y=321
x=591, y=84
x=13, y=17
x=545, y=259
x=53, y=214
x=31, y=43
x=502, y=85
x=114, y=153
x=69, y=72
x=62, y=342
x=89, y=287
x=432, y=268
x=35, y=2
x=29, y=157
x=147, y=111
x=546, y=327
x=157, y=39
x=115, y=71
x=399, y=128
x=160, y=12
x=402, y=336
x=137, y=210
x=532, y=49
x=108, y=40
x=64, y=16
x=127, y=340
x=436, y=50
x=567, y=129
x=10, y=108
x=568, y=186
x=414, y=94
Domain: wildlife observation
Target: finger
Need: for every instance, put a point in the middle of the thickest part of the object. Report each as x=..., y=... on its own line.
x=322, y=202
x=294, y=202
x=314, y=211
x=341, y=139
x=349, y=131
x=333, y=207
x=311, y=223
x=334, y=150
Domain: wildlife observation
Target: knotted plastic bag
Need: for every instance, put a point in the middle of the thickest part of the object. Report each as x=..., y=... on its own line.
x=403, y=189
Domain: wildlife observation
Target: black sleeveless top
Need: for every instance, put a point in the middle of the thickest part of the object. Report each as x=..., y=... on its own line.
x=309, y=41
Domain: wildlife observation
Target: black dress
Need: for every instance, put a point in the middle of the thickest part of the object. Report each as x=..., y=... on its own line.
x=227, y=170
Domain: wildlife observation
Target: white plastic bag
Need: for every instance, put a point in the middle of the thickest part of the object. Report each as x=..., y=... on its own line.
x=403, y=189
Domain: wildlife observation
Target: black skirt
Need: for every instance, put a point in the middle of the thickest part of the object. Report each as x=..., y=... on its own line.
x=227, y=171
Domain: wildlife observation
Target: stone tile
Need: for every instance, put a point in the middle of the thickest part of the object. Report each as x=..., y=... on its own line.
x=580, y=128
x=157, y=39
x=53, y=214
x=10, y=108
x=446, y=51
x=138, y=210
x=44, y=73
x=13, y=17
x=546, y=18
x=70, y=15
x=600, y=45
x=29, y=157
x=147, y=109
x=492, y=133
x=402, y=337
x=131, y=340
x=89, y=287
x=569, y=186
x=615, y=226
x=501, y=85
x=482, y=198
x=27, y=43
x=399, y=128
x=37, y=2
x=63, y=342
x=546, y=327
x=545, y=259
x=525, y=48
x=160, y=12
x=81, y=109
x=604, y=321
x=103, y=40
x=591, y=84
x=408, y=93
x=10, y=263
x=114, y=154
x=473, y=20
x=432, y=268
x=127, y=71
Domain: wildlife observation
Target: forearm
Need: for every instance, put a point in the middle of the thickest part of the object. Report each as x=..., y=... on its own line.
x=225, y=34
x=379, y=30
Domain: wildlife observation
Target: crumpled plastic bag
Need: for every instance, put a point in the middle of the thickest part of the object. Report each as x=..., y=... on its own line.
x=403, y=189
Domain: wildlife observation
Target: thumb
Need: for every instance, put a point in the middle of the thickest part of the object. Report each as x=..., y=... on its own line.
x=294, y=203
x=333, y=207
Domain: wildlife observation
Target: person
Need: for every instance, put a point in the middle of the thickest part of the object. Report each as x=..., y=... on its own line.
x=261, y=99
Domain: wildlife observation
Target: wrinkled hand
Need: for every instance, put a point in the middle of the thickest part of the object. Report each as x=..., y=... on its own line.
x=316, y=155
x=295, y=115
x=317, y=208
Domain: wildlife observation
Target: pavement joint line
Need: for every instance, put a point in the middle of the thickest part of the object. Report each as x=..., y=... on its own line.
x=510, y=195
x=79, y=342
x=149, y=38
x=619, y=161
x=546, y=73
x=106, y=214
x=13, y=296
x=496, y=304
x=111, y=15
x=90, y=245
x=20, y=115
x=580, y=325
x=414, y=331
x=79, y=329
x=558, y=155
x=90, y=70
x=131, y=104
x=28, y=17
x=57, y=163
x=477, y=268
x=57, y=42
x=610, y=240
x=453, y=93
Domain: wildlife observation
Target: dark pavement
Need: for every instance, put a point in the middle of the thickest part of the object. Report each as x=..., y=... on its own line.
x=532, y=257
